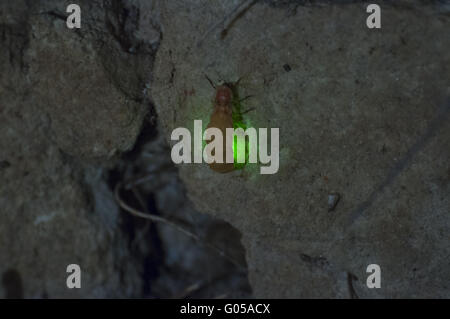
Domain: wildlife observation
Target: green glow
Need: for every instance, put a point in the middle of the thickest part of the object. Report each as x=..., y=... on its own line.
x=239, y=151
x=238, y=122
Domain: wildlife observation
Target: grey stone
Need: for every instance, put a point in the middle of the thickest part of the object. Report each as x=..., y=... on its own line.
x=75, y=121
x=362, y=112
x=59, y=109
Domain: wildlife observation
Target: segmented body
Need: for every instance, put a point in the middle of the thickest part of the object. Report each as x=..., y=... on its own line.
x=222, y=118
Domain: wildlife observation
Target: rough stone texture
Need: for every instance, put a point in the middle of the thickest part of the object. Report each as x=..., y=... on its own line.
x=93, y=90
x=57, y=104
x=186, y=268
x=75, y=120
x=361, y=112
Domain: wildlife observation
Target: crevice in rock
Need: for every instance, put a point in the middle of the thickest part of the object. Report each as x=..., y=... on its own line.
x=12, y=284
x=350, y=278
x=172, y=265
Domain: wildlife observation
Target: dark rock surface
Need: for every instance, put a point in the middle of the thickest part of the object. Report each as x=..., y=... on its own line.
x=362, y=113
x=72, y=103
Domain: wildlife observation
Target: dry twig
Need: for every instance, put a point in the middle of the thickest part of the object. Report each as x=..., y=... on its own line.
x=159, y=219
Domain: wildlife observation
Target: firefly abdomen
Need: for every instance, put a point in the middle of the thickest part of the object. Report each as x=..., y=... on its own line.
x=221, y=118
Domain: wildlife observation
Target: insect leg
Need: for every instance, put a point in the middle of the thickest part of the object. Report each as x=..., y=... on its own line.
x=250, y=109
x=245, y=98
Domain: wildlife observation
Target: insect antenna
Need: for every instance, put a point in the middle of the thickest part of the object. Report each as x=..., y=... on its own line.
x=249, y=110
x=210, y=82
x=245, y=98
